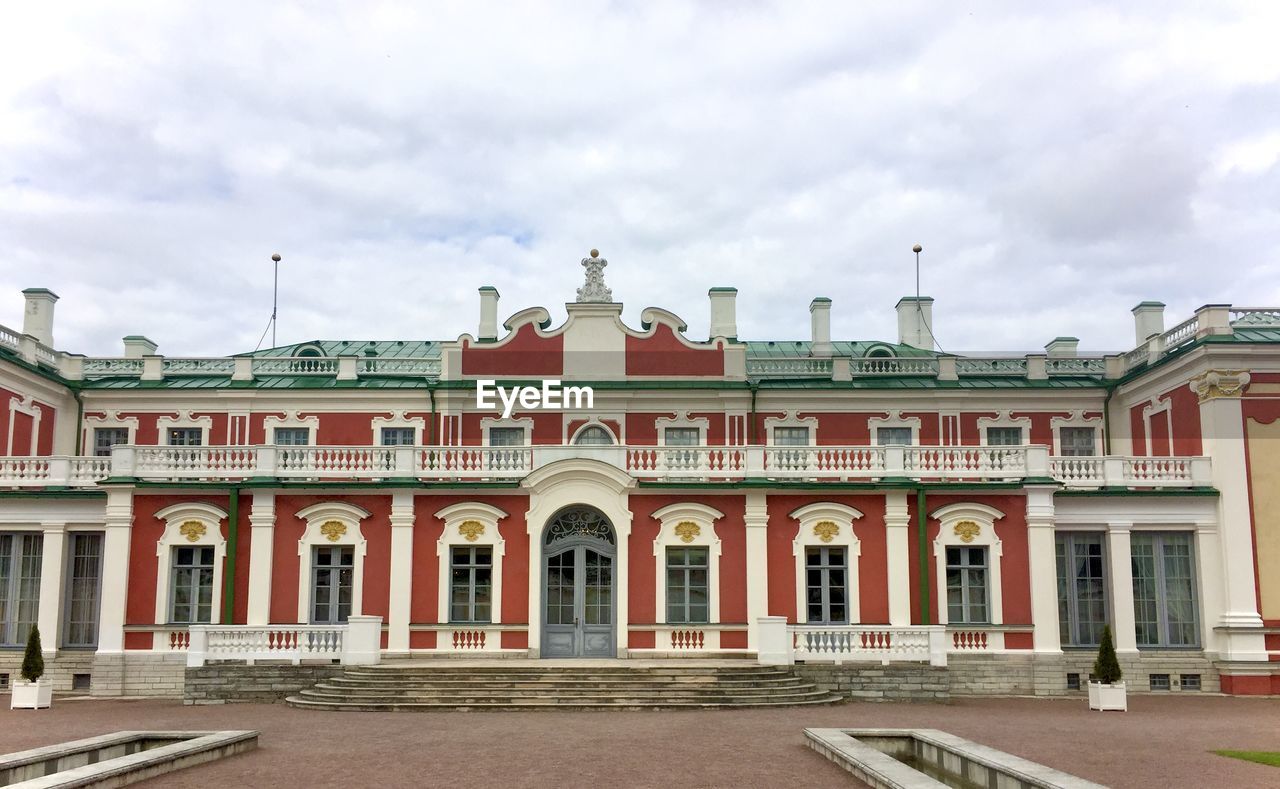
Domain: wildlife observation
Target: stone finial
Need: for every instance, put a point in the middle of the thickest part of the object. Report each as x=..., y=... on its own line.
x=593, y=290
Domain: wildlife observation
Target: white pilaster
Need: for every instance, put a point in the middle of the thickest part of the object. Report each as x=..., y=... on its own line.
x=1042, y=567
x=1222, y=428
x=401, y=585
x=757, y=520
x=49, y=617
x=1119, y=556
x=262, y=521
x=898, y=543
x=1208, y=566
x=115, y=570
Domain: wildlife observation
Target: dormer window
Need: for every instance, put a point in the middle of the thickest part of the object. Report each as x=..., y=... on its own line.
x=309, y=352
x=880, y=352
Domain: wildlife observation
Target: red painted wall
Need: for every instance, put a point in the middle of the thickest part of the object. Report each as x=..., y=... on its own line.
x=873, y=580
x=663, y=354
x=524, y=354
x=140, y=605
x=17, y=434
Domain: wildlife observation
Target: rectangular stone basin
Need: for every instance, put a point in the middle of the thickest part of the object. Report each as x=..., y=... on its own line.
x=121, y=758
x=931, y=759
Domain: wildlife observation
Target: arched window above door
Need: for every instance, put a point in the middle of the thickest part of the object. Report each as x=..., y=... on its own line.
x=593, y=435
x=579, y=522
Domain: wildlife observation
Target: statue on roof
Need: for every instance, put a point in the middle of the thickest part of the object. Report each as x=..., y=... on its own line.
x=594, y=290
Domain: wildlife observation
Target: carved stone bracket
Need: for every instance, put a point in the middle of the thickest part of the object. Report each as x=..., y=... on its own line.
x=1219, y=383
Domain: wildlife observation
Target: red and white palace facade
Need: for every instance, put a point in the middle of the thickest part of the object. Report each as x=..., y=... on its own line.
x=807, y=500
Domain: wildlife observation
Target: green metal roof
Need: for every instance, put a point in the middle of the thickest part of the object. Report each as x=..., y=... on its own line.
x=788, y=349
x=387, y=349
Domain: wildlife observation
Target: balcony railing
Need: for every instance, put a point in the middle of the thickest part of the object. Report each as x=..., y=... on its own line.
x=650, y=463
x=783, y=644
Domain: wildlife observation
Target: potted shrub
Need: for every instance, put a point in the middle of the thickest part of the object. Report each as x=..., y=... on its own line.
x=1106, y=691
x=32, y=692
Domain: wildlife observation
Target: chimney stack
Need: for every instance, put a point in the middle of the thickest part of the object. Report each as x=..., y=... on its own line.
x=1063, y=346
x=915, y=317
x=488, y=314
x=724, y=312
x=1148, y=319
x=37, y=317
x=136, y=346
x=820, y=322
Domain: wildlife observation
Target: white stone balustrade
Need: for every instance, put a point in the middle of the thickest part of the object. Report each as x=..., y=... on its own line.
x=819, y=463
x=784, y=644
x=358, y=642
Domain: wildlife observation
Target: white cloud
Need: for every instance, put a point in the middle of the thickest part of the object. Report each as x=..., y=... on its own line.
x=1059, y=162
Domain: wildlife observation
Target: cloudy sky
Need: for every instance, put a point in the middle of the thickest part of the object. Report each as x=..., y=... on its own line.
x=1058, y=162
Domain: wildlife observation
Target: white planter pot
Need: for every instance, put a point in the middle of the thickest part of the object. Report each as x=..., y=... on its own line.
x=32, y=695
x=1108, y=697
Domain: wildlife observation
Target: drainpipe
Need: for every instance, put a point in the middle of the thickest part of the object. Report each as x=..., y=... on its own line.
x=79, y=421
x=431, y=428
x=751, y=424
x=923, y=527
x=1106, y=420
x=229, y=566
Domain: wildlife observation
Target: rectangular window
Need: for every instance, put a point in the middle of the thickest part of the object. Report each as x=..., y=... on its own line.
x=506, y=437
x=681, y=436
x=1164, y=589
x=1082, y=588
x=893, y=436
x=191, y=599
x=471, y=593
x=84, y=587
x=291, y=436
x=332, y=576
x=20, y=557
x=687, y=586
x=1004, y=436
x=185, y=437
x=791, y=436
x=967, y=586
x=826, y=586
x=398, y=436
x=104, y=438
x=1076, y=441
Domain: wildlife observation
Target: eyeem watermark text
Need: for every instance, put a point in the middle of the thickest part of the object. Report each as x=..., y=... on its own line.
x=549, y=396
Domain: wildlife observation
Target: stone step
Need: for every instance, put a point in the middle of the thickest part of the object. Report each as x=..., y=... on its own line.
x=708, y=671
x=553, y=683
x=302, y=703
x=593, y=692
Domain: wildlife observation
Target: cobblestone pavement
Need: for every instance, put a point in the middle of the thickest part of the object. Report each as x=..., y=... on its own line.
x=1163, y=741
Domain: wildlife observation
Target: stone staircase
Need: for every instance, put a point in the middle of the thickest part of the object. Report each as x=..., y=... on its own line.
x=559, y=687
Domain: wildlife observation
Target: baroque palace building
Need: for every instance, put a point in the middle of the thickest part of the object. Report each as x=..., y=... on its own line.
x=788, y=501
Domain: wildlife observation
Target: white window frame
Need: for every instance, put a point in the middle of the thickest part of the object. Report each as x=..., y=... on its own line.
x=210, y=518
x=594, y=422
x=24, y=405
x=1004, y=419
x=894, y=419
x=682, y=420
x=808, y=536
x=185, y=420
x=704, y=518
x=791, y=420
x=1154, y=409
x=524, y=422
x=112, y=419
x=313, y=537
x=418, y=424
x=291, y=420
x=985, y=517
x=454, y=517
x=1077, y=419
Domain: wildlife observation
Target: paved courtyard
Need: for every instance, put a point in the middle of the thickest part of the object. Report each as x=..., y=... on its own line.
x=1164, y=741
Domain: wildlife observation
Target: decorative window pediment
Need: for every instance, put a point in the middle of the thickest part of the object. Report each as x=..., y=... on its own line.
x=969, y=525
x=826, y=524
x=687, y=525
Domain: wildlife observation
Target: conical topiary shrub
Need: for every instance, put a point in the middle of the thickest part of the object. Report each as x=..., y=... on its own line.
x=32, y=659
x=1106, y=669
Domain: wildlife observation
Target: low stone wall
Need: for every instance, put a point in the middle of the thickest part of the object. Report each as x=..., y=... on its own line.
x=895, y=682
x=59, y=669
x=1013, y=674
x=233, y=682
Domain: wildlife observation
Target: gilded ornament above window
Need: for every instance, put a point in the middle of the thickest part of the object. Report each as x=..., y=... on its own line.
x=967, y=530
x=826, y=530
x=471, y=530
x=687, y=530
x=333, y=530
x=192, y=530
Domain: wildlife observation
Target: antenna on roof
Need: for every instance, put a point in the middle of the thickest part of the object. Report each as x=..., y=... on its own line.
x=275, y=291
x=920, y=310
